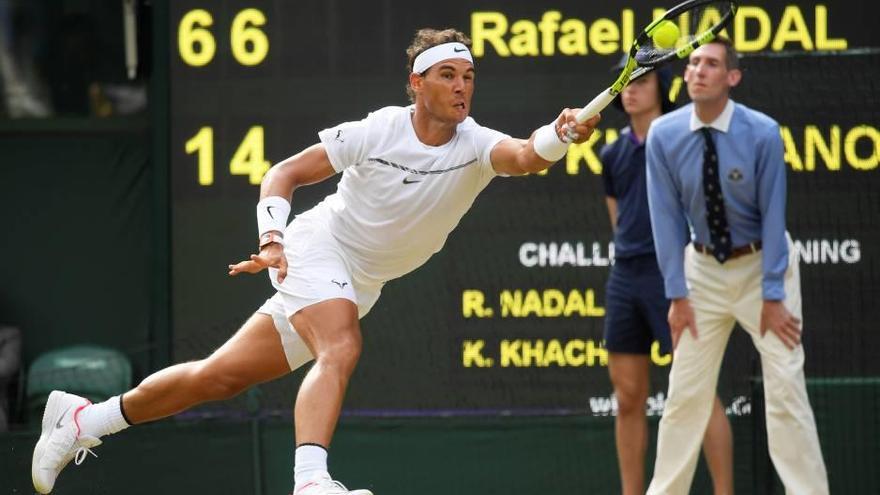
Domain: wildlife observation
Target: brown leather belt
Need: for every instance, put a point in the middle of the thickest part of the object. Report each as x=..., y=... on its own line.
x=736, y=252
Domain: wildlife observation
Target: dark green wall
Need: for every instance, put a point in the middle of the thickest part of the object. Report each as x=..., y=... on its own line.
x=510, y=456
x=77, y=213
x=84, y=215
x=461, y=456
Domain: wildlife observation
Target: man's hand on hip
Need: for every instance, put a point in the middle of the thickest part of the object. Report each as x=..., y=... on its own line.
x=776, y=318
x=681, y=316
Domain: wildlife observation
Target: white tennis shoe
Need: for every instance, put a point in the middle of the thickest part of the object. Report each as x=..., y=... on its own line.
x=324, y=485
x=60, y=440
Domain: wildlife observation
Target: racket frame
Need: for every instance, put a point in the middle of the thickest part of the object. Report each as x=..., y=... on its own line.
x=633, y=68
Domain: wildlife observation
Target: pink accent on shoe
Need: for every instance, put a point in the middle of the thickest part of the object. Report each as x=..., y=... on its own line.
x=310, y=483
x=76, y=413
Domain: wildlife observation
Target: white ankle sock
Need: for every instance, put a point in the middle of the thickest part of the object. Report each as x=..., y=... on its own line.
x=310, y=460
x=102, y=419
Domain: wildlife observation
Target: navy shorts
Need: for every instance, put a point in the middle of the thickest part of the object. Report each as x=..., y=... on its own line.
x=636, y=307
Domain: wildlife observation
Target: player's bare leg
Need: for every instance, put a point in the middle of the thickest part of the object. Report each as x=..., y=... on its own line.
x=718, y=450
x=332, y=332
x=253, y=355
x=72, y=426
x=629, y=376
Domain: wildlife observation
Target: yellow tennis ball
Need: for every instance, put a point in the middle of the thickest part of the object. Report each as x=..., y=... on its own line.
x=665, y=34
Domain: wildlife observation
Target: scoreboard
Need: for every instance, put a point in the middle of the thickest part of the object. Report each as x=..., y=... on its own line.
x=509, y=315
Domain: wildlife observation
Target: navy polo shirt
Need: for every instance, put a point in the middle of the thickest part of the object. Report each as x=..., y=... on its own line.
x=623, y=174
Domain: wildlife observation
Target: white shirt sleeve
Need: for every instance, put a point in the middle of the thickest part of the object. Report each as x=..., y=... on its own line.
x=485, y=140
x=346, y=143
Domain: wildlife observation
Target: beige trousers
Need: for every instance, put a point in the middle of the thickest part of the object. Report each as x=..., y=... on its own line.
x=722, y=295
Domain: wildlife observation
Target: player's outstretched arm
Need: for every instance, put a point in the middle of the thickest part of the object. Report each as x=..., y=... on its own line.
x=544, y=148
x=310, y=166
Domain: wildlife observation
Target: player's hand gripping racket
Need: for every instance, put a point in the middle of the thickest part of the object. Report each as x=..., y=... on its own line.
x=670, y=37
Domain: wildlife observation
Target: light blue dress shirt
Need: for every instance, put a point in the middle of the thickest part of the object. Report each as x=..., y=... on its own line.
x=752, y=173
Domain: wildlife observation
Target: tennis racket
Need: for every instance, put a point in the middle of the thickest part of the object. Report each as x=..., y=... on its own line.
x=696, y=22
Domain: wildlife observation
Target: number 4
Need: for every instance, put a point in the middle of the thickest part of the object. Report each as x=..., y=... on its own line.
x=248, y=159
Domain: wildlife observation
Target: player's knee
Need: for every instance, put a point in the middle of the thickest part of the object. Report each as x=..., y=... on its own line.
x=214, y=383
x=343, y=352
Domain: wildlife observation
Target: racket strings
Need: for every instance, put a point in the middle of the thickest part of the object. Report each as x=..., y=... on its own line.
x=690, y=24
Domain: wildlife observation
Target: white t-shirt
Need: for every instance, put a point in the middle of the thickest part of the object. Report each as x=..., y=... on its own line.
x=398, y=198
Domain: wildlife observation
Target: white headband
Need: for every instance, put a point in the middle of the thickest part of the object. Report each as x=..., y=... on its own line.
x=435, y=54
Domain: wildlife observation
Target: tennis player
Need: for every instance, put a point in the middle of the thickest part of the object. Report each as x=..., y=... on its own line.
x=409, y=174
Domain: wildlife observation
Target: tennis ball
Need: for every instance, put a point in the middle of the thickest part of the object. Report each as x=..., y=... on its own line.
x=665, y=34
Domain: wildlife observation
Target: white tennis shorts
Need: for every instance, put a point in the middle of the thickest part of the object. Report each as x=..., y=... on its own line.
x=317, y=270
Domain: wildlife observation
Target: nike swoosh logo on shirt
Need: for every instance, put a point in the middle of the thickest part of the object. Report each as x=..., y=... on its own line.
x=407, y=181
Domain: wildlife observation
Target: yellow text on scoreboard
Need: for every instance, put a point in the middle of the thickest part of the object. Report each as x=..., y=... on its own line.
x=754, y=29
x=544, y=303
x=830, y=147
x=544, y=353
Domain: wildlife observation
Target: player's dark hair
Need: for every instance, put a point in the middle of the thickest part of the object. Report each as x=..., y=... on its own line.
x=426, y=38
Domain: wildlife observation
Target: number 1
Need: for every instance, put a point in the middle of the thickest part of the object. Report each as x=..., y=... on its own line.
x=203, y=143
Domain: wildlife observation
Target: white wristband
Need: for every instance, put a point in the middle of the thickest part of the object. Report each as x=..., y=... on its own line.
x=272, y=214
x=547, y=144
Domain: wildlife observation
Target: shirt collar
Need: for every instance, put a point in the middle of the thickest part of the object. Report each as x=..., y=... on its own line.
x=722, y=122
x=627, y=133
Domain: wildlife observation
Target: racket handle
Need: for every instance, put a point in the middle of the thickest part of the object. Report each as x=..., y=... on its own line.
x=597, y=105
